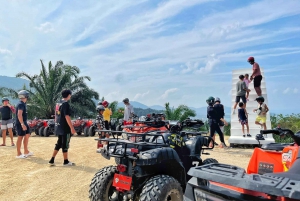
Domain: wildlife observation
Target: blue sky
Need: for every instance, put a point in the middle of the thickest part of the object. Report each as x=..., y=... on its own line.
x=158, y=51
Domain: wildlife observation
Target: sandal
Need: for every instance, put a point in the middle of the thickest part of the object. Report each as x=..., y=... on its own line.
x=3, y=145
x=12, y=144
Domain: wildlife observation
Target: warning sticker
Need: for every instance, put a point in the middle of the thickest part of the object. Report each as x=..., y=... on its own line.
x=287, y=157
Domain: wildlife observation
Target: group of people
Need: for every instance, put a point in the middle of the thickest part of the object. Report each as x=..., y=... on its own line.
x=242, y=93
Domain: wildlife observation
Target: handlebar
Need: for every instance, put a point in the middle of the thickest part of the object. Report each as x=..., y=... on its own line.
x=277, y=131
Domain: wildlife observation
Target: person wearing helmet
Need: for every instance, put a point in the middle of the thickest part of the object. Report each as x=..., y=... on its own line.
x=256, y=75
x=22, y=126
x=128, y=111
x=100, y=121
x=6, y=111
x=106, y=114
x=261, y=112
x=213, y=121
x=219, y=108
x=63, y=128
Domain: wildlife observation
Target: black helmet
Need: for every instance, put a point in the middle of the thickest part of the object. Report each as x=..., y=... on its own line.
x=210, y=100
x=100, y=108
x=5, y=99
x=23, y=94
x=126, y=100
x=100, y=103
x=260, y=98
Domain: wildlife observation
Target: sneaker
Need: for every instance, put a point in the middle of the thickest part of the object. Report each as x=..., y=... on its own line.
x=69, y=164
x=51, y=163
x=29, y=154
x=216, y=144
x=248, y=135
x=22, y=156
x=244, y=135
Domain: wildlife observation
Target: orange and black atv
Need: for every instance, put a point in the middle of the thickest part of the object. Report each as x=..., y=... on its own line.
x=273, y=174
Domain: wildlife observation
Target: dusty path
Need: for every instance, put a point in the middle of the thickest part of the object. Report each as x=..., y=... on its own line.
x=33, y=179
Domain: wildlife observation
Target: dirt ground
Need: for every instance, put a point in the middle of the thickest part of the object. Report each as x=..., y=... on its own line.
x=34, y=179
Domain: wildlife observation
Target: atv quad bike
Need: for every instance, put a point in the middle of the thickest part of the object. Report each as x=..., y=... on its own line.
x=79, y=125
x=49, y=128
x=150, y=170
x=33, y=125
x=271, y=176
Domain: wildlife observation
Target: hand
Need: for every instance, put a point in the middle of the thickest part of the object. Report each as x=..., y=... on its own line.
x=24, y=127
x=73, y=131
x=254, y=110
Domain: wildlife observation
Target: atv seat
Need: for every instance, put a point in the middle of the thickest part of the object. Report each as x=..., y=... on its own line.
x=293, y=173
x=275, y=146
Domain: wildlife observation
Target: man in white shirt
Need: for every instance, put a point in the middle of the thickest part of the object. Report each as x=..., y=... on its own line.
x=128, y=110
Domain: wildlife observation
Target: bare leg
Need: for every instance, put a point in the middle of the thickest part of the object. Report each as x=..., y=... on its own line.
x=11, y=135
x=258, y=91
x=54, y=153
x=25, y=142
x=243, y=129
x=65, y=155
x=234, y=107
x=19, y=143
x=265, y=126
x=4, y=136
x=256, y=122
x=247, y=125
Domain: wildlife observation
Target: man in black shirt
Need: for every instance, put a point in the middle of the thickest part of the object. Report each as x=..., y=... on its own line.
x=63, y=127
x=22, y=126
x=6, y=111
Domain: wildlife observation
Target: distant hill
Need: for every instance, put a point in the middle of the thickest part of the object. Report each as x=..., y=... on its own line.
x=13, y=82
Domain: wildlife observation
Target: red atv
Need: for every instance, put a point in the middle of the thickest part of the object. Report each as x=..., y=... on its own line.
x=272, y=174
x=41, y=126
x=49, y=128
x=87, y=129
x=79, y=125
x=33, y=125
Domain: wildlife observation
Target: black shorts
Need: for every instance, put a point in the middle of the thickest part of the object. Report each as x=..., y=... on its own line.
x=20, y=131
x=257, y=81
x=63, y=142
x=106, y=124
x=238, y=98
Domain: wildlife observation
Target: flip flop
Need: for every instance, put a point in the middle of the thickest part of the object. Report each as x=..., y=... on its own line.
x=3, y=145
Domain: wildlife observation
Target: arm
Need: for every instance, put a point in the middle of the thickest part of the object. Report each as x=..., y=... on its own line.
x=12, y=108
x=255, y=69
x=68, y=119
x=267, y=109
x=20, y=117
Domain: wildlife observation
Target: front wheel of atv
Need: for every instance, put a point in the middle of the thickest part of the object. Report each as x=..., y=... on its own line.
x=86, y=131
x=46, y=132
x=101, y=188
x=209, y=161
x=41, y=131
x=162, y=188
x=92, y=131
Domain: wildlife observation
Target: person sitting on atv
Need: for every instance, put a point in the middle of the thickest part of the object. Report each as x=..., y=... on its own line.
x=100, y=121
x=213, y=121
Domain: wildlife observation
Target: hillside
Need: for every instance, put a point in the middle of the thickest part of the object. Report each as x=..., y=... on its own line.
x=13, y=82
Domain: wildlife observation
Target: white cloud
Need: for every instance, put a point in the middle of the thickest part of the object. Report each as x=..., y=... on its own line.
x=46, y=27
x=140, y=95
x=287, y=90
x=5, y=51
x=211, y=62
x=295, y=91
x=168, y=92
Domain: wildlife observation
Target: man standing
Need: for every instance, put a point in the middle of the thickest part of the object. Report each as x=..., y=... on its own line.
x=256, y=75
x=128, y=110
x=22, y=126
x=241, y=90
x=6, y=111
x=63, y=127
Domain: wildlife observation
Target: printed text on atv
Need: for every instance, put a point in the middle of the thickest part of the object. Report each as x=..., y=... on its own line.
x=226, y=182
x=150, y=169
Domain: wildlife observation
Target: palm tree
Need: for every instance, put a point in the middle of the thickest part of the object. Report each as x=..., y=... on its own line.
x=180, y=113
x=46, y=87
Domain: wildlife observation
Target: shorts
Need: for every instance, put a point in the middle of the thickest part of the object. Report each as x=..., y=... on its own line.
x=238, y=98
x=20, y=131
x=261, y=119
x=5, y=124
x=257, y=81
x=106, y=124
x=63, y=142
x=244, y=121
